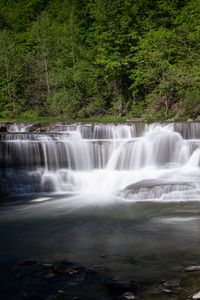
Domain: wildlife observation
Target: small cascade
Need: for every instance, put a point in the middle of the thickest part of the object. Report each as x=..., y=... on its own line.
x=96, y=159
x=18, y=127
x=189, y=130
x=99, y=131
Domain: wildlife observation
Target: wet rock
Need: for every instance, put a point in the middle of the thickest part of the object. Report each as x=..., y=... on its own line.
x=37, y=128
x=3, y=129
x=167, y=291
x=196, y=296
x=73, y=271
x=146, y=186
x=42, y=128
x=59, y=281
x=128, y=296
x=193, y=269
x=190, y=120
x=61, y=293
x=171, y=284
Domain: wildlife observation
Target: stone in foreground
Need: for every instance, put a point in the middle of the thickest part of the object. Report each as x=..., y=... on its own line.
x=196, y=296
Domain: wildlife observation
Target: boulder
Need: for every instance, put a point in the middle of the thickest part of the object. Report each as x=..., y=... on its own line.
x=153, y=183
x=128, y=296
x=171, y=283
x=196, y=296
x=193, y=268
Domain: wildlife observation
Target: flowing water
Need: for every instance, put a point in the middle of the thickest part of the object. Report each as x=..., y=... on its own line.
x=122, y=197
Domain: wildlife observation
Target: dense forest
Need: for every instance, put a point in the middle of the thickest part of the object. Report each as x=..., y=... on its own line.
x=84, y=58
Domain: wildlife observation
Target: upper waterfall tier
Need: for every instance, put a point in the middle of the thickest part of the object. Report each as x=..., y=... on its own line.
x=188, y=130
x=87, y=147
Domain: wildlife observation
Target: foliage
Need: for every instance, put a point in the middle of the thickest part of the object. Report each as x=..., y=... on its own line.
x=85, y=59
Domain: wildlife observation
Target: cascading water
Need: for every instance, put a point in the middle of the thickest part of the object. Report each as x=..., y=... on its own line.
x=135, y=162
x=99, y=195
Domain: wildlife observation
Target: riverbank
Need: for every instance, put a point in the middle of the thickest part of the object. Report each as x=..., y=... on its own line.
x=99, y=119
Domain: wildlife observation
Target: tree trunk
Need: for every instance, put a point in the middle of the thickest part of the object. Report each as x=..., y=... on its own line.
x=46, y=75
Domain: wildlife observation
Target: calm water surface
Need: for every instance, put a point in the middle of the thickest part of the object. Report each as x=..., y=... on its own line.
x=144, y=240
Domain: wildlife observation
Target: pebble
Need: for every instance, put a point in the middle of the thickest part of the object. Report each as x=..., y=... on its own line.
x=61, y=292
x=128, y=296
x=73, y=271
x=193, y=268
x=171, y=283
x=196, y=296
x=167, y=291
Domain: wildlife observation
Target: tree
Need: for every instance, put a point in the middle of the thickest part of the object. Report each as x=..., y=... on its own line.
x=10, y=74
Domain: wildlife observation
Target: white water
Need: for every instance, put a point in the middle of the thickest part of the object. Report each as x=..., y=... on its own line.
x=137, y=162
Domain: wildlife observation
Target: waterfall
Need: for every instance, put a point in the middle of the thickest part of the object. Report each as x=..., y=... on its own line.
x=136, y=162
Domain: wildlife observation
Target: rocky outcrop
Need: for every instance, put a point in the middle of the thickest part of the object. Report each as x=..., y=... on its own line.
x=3, y=128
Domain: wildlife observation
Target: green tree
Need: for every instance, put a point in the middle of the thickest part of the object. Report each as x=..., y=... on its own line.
x=9, y=75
